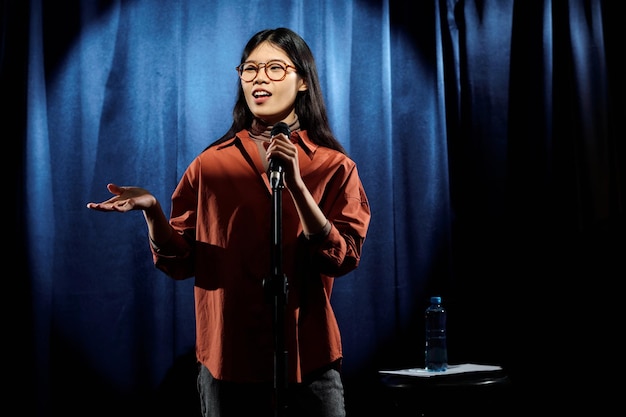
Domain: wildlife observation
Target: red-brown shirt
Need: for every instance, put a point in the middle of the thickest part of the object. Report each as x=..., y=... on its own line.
x=222, y=210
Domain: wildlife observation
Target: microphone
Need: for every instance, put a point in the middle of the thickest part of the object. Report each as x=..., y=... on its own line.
x=276, y=165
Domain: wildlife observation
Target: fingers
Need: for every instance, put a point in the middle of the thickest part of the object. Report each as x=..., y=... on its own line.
x=100, y=206
x=114, y=189
x=111, y=204
x=121, y=206
x=281, y=147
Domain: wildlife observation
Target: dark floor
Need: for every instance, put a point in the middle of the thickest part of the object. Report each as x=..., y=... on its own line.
x=485, y=394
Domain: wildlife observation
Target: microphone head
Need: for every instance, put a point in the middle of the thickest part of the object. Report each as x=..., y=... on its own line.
x=280, y=127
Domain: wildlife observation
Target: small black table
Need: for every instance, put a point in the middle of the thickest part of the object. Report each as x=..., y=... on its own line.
x=484, y=393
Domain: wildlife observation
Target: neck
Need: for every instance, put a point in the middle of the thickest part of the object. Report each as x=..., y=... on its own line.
x=261, y=130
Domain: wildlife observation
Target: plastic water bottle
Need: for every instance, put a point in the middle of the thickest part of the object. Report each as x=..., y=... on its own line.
x=436, y=352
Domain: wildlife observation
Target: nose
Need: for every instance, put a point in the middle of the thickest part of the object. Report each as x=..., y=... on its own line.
x=261, y=75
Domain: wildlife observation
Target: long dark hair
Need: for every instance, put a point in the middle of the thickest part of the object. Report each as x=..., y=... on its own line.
x=310, y=106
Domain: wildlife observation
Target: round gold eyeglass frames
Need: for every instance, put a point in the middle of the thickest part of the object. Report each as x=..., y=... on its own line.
x=275, y=70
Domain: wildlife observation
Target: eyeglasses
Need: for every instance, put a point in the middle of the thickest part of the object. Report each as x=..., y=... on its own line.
x=275, y=70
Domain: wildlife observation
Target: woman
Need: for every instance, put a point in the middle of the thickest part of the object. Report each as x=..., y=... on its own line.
x=220, y=232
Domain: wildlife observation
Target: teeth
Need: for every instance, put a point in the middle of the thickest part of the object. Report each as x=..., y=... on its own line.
x=261, y=93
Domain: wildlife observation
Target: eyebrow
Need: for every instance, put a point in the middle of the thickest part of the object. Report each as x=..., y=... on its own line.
x=270, y=60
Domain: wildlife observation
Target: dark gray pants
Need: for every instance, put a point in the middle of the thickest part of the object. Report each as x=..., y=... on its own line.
x=319, y=396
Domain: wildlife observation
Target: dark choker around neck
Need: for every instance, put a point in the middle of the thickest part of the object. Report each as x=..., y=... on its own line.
x=262, y=131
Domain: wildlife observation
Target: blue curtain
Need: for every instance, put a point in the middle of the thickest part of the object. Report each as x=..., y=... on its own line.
x=487, y=137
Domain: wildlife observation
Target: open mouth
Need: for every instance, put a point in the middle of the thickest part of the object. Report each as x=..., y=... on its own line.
x=260, y=94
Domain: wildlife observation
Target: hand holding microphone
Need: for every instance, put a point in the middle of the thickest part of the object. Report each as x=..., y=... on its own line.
x=276, y=165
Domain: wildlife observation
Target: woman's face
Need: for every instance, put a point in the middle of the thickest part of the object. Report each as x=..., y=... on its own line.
x=272, y=101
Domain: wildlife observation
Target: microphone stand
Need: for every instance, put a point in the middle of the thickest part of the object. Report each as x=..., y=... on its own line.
x=278, y=291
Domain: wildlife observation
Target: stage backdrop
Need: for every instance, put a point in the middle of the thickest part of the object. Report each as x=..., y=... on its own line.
x=488, y=135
